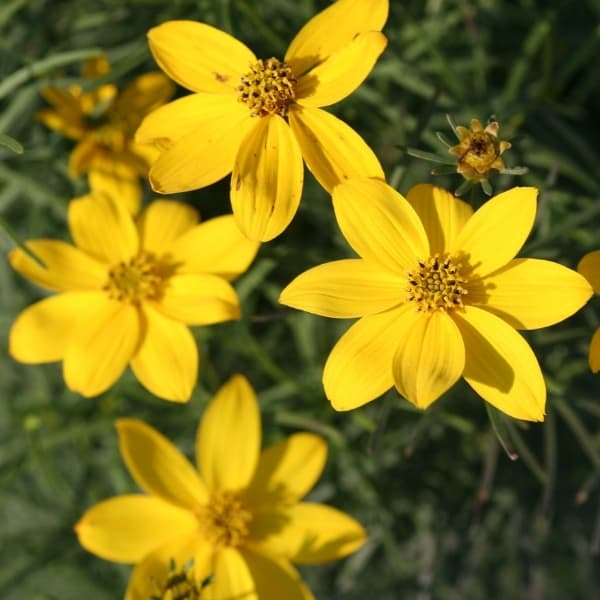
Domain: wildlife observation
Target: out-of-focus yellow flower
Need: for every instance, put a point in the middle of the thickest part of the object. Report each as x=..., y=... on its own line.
x=479, y=150
x=439, y=294
x=260, y=118
x=239, y=518
x=589, y=267
x=127, y=291
x=103, y=123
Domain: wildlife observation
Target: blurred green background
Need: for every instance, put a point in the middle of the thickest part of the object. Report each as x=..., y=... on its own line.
x=449, y=515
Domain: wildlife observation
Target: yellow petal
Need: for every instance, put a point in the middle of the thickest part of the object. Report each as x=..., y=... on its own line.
x=496, y=232
x=162, y=222
x=306, y=533
x=380, y=224
x=430, y=358
x=158, y=467
x=143, y=95
x=204, y=154
x=65, y=267
x=173, y=121
x=103, y=227
x=589, y=267
x=199, y=57
x=359, y=368
x=41, y=332
x=267, y=178
x=126, y=528
x=102, y=345
x=500, y=366
x=118, y=183
x=216, y=246
x=232, y=578
x=594, y=357
x=274, y=578
x=442, y=214
x=166, y=362
x=342, y=72
x=332, y=29
x=151, y=574
x=333, y=151
x=228, y=439
x=287, y=470
x=83, y=155
x=530, y=293
x=345, y=289
x=199, y=299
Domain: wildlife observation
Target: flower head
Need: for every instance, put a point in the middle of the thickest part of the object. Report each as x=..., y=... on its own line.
x=238, y=518
x=589, y=267
x=260, y=117
x=479, y=150
x=439, y=294
x=127, y=291
x=103, y=123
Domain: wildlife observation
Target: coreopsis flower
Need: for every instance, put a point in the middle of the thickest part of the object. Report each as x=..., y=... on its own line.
x=237, y=520
x=127, y=291
x=103, y=123
x=589, y=267
x=260, y=117
x=439, y=295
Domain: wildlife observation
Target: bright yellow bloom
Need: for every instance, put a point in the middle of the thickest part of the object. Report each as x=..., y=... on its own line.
x=440, y=295
x=239, y=518
x=127, y=291
x=589, y=267
x=103, y=123
x=259, y=118
x=479, y=150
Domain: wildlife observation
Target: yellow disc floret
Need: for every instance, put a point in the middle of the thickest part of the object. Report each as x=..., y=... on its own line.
x=268, y=88
x=436, y=284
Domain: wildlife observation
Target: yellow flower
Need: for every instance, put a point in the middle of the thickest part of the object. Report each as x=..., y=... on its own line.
x=259, y=118
x=103, y=123
x=440, y=296
x=589, y=267
x=479, y=150
x=239, y=518
x=127, y=291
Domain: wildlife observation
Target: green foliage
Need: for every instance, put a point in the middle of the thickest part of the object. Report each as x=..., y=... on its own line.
x=449, y=515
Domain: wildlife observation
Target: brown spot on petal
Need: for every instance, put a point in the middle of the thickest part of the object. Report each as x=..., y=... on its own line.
x=220, y=77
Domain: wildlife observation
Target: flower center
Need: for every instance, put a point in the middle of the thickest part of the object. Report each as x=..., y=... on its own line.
x=268, y=88
x=179, y=585
x=140, y=278
x=225, y=520
x=436, y=285
x=481, y=152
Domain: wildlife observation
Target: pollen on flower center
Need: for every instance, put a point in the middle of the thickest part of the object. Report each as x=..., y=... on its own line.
x=179, y=585
x=225, y=521
x=436, y=285
x=140, y=278
x=268, y=88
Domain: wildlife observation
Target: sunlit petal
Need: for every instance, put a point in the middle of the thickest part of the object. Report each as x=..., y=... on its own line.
x=530, y=293
x=332, y=150
x=166, y=362
x=496, y=232
x=199, y=57
x=430, y=358
x=232, y=578
x=442, y=214
x=109, y=177
x=345, y=289
x=158, y=467
x=127, y=528
x=228, y=439
x=333, y=28
x=342, y=72
x=380, y=224
x=500, y=366
x=359, y=368
x=267, y=178
x=287, y=470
